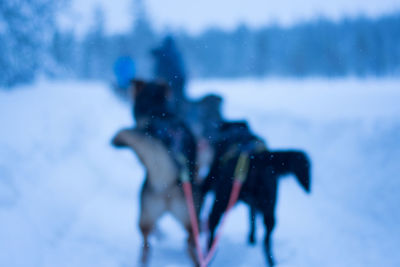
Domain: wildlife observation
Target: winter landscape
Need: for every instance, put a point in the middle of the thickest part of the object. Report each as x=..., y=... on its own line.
x=319, y=76
x=67, y=198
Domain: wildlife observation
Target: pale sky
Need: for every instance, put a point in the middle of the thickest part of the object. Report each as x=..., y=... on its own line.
x=195, y=16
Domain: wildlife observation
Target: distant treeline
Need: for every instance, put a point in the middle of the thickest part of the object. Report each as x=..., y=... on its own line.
x=356, y=47
x=351, y=47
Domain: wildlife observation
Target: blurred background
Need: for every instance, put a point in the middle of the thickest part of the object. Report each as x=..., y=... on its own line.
x=321, y=76
x=81, y=40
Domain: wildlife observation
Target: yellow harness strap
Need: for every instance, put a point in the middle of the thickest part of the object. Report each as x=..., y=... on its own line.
x=242, y=167
x=259, y=146
x=230, y=153
x=184, y=174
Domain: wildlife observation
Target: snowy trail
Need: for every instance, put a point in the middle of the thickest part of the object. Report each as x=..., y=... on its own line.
x=67, y=198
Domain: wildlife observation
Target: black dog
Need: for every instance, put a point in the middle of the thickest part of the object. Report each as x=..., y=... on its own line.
x=153, y=117
x=259, y=189
x=283, y=163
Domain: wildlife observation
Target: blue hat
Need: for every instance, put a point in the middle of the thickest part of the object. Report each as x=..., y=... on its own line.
x=124, y=70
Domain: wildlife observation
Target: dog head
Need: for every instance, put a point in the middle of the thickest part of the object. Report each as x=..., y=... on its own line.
x=151, y=99
x=153, y=93
x=234, y=127
x=235, y=131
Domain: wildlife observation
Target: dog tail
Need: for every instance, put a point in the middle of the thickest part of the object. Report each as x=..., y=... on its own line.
x=292, y=162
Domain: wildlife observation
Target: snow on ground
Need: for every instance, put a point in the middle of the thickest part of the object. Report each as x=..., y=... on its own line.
x=67, y=198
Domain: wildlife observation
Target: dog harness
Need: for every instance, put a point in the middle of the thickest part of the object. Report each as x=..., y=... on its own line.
x=242, y=167
x=184, y=170
x=254, y=146
x=243, y=162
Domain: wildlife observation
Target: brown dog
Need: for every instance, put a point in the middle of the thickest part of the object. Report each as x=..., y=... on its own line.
x=161, y=191
x=167, y=150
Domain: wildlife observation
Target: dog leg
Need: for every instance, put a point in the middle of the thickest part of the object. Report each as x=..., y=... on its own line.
x=269, y=222
x=268, y=211
x=152, y=206
x=145, y=230
x=252, y=220
x=267, y=202
x=220, y=204
x=177, y=207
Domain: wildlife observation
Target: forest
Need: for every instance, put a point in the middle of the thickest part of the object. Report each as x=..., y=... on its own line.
x=357, y=46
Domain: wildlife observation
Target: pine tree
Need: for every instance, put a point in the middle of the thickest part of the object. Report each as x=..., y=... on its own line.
x=26, y=29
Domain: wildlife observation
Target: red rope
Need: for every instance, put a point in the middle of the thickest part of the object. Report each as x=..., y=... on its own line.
x=187, y=188
x=232, y=200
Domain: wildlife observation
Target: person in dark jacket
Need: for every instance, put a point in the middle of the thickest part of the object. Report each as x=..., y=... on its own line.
x=169, y=67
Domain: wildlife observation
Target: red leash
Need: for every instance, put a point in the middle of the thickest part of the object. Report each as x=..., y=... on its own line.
x=187, y=188
x=232, y=200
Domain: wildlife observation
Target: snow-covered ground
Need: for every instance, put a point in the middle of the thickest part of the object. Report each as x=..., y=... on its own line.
x=67, y=198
